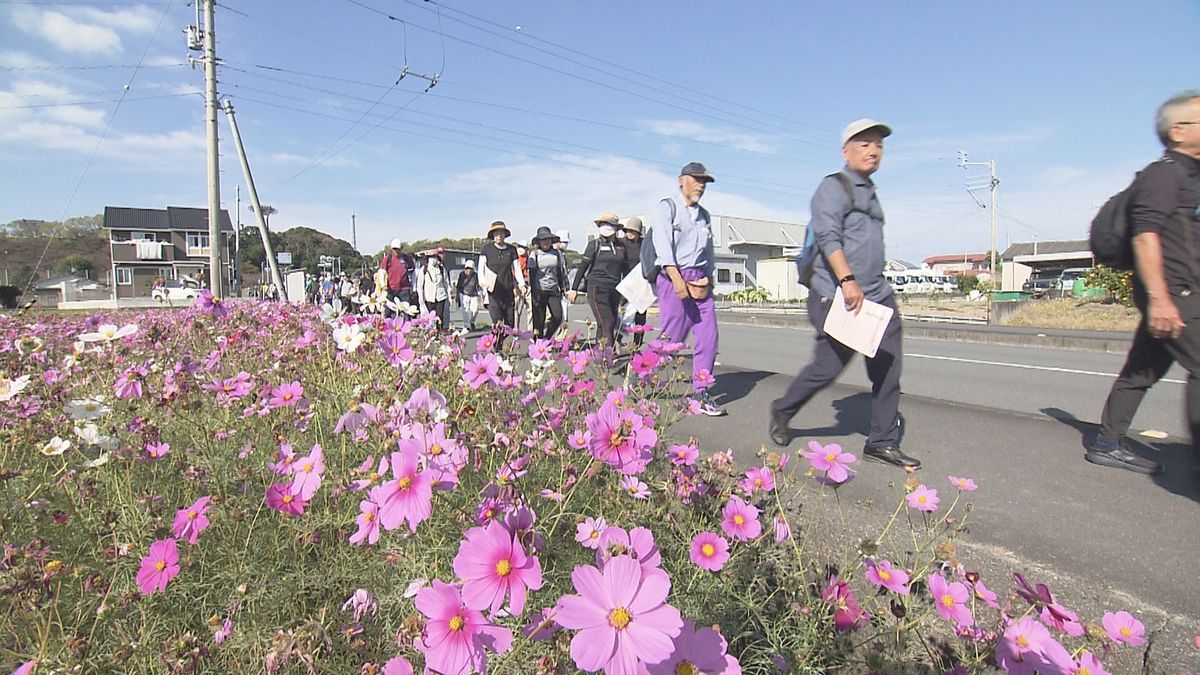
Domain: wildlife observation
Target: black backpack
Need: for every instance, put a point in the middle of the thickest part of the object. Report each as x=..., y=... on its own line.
x=1109, y=237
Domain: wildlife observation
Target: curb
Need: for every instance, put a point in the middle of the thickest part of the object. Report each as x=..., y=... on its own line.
x=1089, y=341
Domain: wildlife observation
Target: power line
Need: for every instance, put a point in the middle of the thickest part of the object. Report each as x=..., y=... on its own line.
x=123, y=99
x=114, y=66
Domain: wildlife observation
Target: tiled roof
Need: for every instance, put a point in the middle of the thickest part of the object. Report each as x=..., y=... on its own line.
x=1046, y=248
x=171, y=218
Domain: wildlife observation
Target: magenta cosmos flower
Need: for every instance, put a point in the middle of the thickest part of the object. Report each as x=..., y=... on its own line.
x=368, y=523
x=923, y=499
x=1124, y=629
x=589, y=532
x=280, y=498
x=481, y=369
x=891, y=578
x=757, y=478
x=950, y=600
x=739, y=520
x=621, y=438
x=211, y=304
x=397, y=665
x=1027, y=648
x=286, y=395
x=695, y=650
x=847, y=614
x=964, y=484
x=457, y=639
x=683, y=455
x=307, y=472
x=709, y=551
x=831, y=460
x=637, y=543
x=159, y=566
x=190, y=522
x=621, y=615
x=493, y=565
x=408, y=497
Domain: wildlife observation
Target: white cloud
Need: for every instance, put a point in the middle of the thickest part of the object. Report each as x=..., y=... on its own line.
x=684, y=129
x=287, y=158
x=979, y=147
x=16, y=59
x=27, y=91
x=139, y=19
x=67, y=34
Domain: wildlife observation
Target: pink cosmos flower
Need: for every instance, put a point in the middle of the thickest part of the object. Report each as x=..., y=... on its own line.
x=831, y=460
x=1124, y=629
x=984, y=594
x=222, y=634
x=445, y=456
x=408, y=497
x=396, y=349
x=361, y=604
x=1088, y=664
x=709, y=551
x=397, y=665
x=481, y=369
x=540, y=350
x=1051, y=612
x=287, y=459
x=1027, y=648
x=493, y=565
x=621, y=615
x=847, y=615
x=211, y=304
x=739, y=520
x=637, y=543
x=621, y=438
x=127, y=386
x=157, y=450
x=280, y=498
x=370, y=478
x=368, y=523
x=703, y=379
x=306, y=477
x=486, y=343
x=683, y=455
x=190, y=522
x=964, y=484
x=578, y=360
x=891, y=578
x=782, y=529
x=950, y=600
x=923, y=499
x=580, y=440
x=159, y=566
x=757, y=478
x=589, y=532
x=644, y=363
x=695, y=650
x=636, y=488
x=457, y=639
x=286, y=395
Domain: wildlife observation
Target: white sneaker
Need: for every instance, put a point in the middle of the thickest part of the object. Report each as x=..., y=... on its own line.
x=710, y=407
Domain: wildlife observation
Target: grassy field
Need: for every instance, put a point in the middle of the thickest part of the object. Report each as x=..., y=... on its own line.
x=1075, y=315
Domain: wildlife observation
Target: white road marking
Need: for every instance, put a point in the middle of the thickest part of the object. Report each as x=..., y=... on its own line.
x=1026, y=366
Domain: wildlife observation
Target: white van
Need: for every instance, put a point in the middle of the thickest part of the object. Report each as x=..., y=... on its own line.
x=899, y=281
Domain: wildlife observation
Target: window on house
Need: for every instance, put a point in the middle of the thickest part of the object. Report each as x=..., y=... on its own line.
x=722, y=276
x=737, y=277
x=197, y=243
x=142, y=236
x=124, y=276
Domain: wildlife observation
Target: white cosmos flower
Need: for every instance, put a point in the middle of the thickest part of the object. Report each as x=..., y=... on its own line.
x=109, y=332
x=87, y=408
x=10, y=388
x=348, y=338
x=90, y=435
x=414, y=586
x=55, y=446
x=101, y=460
x=375, y=302
x=505, y=364
x=331, y=311
x=30, y=344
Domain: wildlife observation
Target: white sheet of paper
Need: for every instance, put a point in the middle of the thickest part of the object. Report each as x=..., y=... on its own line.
x=487, y=278
x=861, y=332
x=637, y=290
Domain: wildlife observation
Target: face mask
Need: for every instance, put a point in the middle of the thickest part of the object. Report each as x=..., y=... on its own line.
x=607, y=230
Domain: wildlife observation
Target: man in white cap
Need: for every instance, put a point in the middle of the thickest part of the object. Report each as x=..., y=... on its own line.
x=400, y=268
x=847, y=221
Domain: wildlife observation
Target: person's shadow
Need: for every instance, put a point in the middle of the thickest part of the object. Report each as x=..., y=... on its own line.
x=736, y=385
x=851, y=414
x=1178, y=475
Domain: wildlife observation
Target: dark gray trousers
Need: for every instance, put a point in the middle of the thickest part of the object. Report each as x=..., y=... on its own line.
x=1148, y=360
x=829, y=360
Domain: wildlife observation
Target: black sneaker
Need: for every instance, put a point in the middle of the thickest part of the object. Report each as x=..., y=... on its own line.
x=708, y=406
x=891, y=454
x=778, y=430
x=1107, y=453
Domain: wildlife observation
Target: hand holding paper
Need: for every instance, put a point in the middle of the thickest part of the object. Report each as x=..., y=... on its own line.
x=861, y=331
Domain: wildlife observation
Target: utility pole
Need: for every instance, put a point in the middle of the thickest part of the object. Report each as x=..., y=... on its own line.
x=991, y=184
x=236, y=277
x=216, y=279
x=268, y=251
x=353, y=232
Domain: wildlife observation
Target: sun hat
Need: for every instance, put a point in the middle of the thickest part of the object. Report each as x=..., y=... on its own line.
x=564, y=235
x=634, y=223
x=496, y=227
x=696, y=170
x=544, y=233
x=607, y=218
x=470, y=264
x=858, y=126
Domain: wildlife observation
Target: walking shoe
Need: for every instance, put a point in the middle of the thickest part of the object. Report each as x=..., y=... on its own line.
x=891, y=454
x=1107, y=453
x=708, y=406
x=778, y=430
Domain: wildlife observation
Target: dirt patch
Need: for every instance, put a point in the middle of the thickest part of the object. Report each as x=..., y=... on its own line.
x=1075, y=315
x=949, y=306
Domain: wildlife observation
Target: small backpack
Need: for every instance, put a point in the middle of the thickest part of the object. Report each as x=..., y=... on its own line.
x=806, y=259
x=649, y=256
x=1109, y=237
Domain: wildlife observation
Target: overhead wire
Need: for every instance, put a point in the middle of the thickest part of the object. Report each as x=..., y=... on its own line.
x=125, y=99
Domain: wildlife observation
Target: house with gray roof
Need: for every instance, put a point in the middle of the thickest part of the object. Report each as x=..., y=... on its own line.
x=741, y=244
x=1042, y=259
x=170, y=243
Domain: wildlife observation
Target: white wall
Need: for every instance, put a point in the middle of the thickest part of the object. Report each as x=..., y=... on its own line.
x=778, y=276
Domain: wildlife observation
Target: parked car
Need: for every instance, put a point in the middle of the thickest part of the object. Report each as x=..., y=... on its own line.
x=175, y=290
x=1040, y=286
x=1066, y=281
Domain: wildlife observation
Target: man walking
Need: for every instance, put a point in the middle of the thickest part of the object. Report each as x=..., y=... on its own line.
x=847, y=222
x=1164, y=211
x=400, y=267
x=433, y=289
x=466, y=289
x=683, y=244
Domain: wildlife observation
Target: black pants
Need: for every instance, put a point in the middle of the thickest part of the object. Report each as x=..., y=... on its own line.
x=1148, y=360
x=639, y=319
x=829, y=360
x=542, y=302
x=604, y=301
x=442, y=309
x=501, y=307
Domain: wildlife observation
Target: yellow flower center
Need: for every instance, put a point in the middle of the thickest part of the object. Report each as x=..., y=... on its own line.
x=948, y=600
x=372, y=476
x=405, y=483
x=884, y=575
x=369, y=517
x=308, y=467
x=595, y=534
x=1083, y=671
x=619, y=618
x=739, y=519
x=758, y=482
x=830, y=456
x=160, y=565
x=456, y=622
x=435, y=450
x=504, y=568
x=287, y=499
x=708, y=550
x=686, y=668
x=1125, y=632
x=192, y=515
x=287, y=395
x=1022, y=641
x=616, y=439
x=923, y=499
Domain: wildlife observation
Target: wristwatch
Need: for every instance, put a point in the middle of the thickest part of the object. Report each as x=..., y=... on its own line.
x=848, y=277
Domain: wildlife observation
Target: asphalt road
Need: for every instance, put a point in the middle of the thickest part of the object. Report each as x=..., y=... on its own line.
x=1015, y=420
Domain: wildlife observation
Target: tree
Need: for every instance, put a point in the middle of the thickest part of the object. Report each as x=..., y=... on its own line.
x=267, y=211
x=1117, y=283
x=79, y=264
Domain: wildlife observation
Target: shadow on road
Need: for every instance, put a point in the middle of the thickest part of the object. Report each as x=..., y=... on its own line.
x=852, y=415
x=736, y=385
x=1177, y=476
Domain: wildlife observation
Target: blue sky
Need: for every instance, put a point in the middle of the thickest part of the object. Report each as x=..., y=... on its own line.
x=590, y=107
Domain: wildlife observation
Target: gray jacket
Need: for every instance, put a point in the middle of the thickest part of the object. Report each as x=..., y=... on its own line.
x=837, y=226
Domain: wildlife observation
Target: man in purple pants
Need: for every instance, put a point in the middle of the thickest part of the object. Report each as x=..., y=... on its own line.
x=683, y=244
